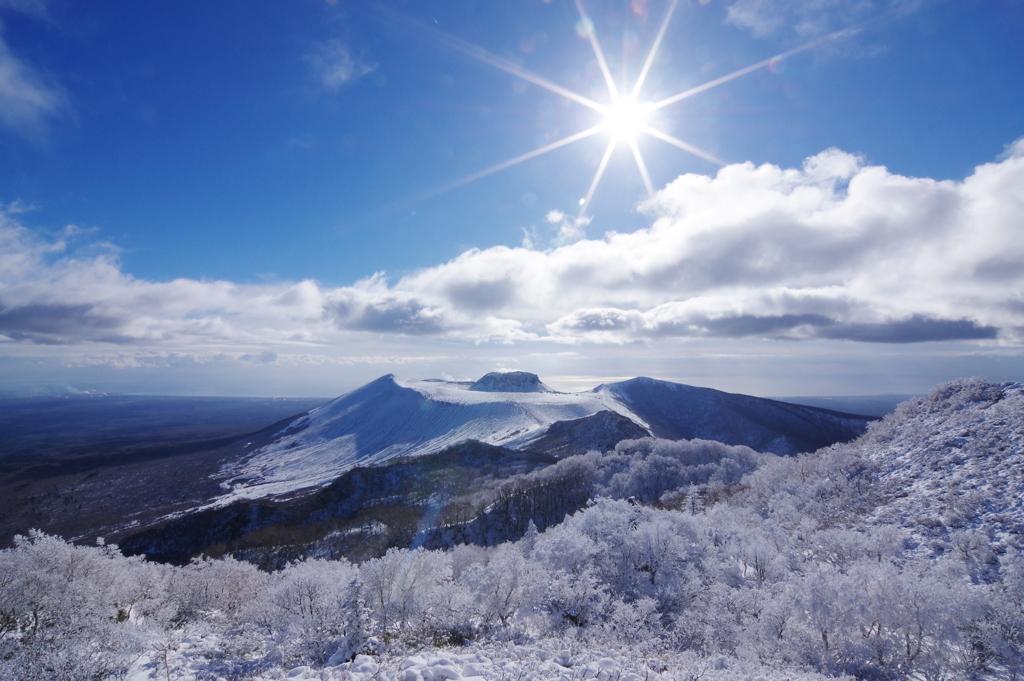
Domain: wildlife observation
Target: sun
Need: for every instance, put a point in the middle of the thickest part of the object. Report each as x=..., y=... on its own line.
x=626, y=118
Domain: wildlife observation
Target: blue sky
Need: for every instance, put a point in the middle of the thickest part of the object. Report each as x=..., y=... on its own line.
x=271, y=198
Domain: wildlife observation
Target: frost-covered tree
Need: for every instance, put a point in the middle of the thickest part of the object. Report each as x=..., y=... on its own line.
x=412, y=597
x=316, y=611
x=506, y=588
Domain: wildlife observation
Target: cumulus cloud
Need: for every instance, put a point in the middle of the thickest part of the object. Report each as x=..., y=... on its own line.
x=334, y=65
x=837, y=250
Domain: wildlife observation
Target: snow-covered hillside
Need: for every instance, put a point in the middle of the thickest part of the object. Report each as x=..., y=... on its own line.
x=393, y=417
x=674, y=411
x=953, y=459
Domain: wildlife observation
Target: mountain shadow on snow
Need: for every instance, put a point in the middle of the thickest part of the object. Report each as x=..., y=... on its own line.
x=359, y=515
x=675, y=412
x=597, y=432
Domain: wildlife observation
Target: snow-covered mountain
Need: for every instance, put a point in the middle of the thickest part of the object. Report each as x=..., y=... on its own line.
x=392, y=417
x=675, y=411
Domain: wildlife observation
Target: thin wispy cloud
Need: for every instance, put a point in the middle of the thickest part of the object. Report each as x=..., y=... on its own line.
x=18, y=206
x=334, y=65
x=28, y=101
x=570, y=229
x=835, y=250
x=38, y=9
x=811, y=18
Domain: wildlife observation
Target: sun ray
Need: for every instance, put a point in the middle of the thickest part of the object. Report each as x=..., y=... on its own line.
x=480, y=54
x=507, y=66
x=665, y=137
x=519, y=159
x=654, y=50
x=747, y=69
x=597, y=176
x=592, y=36
x=642, y=167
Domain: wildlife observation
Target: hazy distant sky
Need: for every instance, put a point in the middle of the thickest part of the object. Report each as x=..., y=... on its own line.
x=278, y=198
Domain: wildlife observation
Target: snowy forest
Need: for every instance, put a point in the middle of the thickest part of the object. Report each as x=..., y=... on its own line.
x=899, y=555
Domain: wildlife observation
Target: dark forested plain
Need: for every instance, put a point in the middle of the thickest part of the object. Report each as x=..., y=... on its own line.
x=80, y=465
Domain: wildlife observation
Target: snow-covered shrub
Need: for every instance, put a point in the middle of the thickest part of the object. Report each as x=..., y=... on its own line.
x=227, y=586
x=413, y=598
x=648, y=468
x=316, y=611
x=507, y=589
x=70, y=612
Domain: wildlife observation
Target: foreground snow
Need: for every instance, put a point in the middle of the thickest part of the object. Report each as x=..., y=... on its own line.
x=552, y=660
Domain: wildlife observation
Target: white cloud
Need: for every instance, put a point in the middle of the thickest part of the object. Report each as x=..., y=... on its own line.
x=530, y=238
x=18, y=206
x=334, y=65
x=570, y=229
x=835, y=250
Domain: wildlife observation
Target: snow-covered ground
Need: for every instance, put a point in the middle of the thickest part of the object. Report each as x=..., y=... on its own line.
x=521, y=663
x=954, y=459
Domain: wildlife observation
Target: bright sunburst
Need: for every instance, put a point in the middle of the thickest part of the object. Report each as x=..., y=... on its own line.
x=627, y=117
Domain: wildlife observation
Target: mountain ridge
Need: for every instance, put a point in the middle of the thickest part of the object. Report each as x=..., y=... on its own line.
x=392, y=417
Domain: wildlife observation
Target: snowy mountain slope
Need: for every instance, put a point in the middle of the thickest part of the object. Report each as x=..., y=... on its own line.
x=674, y=411
x=953, y=460
x=392, y=417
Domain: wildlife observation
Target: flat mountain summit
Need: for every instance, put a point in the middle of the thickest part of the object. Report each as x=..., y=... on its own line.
x=392, y=417
x=510, y=382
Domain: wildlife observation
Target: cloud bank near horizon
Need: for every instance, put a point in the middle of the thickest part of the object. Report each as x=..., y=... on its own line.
x=835, y=250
